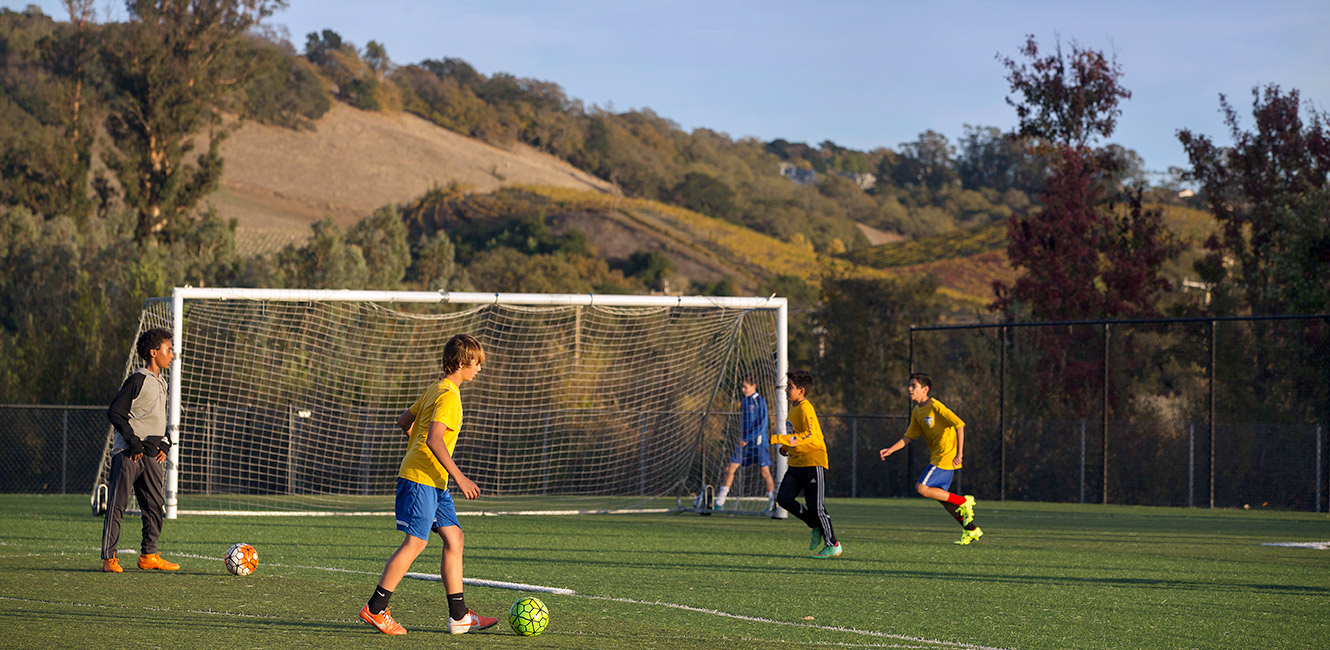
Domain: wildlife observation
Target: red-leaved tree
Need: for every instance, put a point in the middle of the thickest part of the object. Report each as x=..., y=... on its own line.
x=1080, y=256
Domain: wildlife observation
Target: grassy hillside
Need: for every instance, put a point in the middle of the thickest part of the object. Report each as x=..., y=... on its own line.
x=751, y=253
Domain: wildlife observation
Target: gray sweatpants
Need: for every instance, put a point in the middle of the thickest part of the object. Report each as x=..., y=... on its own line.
x=145, y=476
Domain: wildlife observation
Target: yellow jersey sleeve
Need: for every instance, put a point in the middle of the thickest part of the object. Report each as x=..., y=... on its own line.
x=448, y=410
x=916, y=429
x=947, y=414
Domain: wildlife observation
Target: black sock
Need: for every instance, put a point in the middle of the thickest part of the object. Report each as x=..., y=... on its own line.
x=971, y=526
x=379, y=601
x=457, y=607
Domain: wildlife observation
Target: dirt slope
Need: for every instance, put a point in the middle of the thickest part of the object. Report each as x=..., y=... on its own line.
x=277, y=182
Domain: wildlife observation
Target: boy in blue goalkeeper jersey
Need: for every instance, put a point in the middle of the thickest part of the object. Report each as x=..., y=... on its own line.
x=944, y=432
x=752, y=449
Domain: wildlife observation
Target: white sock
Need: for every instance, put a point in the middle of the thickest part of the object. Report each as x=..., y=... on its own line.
x=720, y=497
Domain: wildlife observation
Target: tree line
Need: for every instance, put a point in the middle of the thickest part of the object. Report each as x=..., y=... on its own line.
x=112, y=131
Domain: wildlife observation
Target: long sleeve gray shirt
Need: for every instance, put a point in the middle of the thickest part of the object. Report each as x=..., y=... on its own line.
x=139, y=409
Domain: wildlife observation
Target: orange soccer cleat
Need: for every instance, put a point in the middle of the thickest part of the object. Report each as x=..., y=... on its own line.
x=112, y=565
x=382, y=622
x=154, y=561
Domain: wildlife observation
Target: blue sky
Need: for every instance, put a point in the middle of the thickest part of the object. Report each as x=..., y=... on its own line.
x=863, y=74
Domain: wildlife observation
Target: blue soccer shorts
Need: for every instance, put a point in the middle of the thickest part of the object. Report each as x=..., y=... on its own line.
x=936, y=477
x=422, y=508
x=751, y=454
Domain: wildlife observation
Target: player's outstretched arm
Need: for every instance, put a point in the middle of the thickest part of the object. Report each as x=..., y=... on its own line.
x=437, y=430
x=900, y=444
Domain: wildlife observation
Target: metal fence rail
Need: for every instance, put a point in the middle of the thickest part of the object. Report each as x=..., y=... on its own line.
x=50, y=449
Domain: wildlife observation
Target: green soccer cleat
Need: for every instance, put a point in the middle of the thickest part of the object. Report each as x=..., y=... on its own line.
x=966, y=510
x=968, y=536
x=828, y=551
x=816, y=540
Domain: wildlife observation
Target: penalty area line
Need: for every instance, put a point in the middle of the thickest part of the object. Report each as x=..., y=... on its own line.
x=772, y=621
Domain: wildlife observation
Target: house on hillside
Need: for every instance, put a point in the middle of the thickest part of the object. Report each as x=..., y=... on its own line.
x=798, y=175
x=865, y=181
x=809, y=177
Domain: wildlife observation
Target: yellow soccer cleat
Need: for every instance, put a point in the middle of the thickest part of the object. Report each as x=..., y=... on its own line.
x=969, y=536
x=966, y=510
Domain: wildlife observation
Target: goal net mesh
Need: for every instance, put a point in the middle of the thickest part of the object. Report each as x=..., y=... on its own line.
x=291, y=406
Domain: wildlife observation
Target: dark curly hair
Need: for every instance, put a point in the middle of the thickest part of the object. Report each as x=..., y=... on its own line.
x=801, y=379
x=151, y=340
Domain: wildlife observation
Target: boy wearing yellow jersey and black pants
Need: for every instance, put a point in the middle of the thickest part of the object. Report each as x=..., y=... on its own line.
x=423, y=502
x=807, y=451
x=945, y=434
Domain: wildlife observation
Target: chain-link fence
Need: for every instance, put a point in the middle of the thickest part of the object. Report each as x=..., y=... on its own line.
x=50, y=449
x=1226, y=413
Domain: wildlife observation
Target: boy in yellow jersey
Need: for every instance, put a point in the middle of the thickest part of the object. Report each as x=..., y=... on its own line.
x=807, y=451
x=945, y=434
x=423, y=501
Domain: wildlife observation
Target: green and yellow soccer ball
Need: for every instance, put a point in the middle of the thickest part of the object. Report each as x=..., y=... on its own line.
x=528, y=616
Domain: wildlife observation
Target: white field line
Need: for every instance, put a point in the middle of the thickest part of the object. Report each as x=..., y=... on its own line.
x=271, y=617
x=1320, y=546
x=772, y=621
x=927, y=643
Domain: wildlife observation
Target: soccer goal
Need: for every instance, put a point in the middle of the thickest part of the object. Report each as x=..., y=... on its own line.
x=285, y=401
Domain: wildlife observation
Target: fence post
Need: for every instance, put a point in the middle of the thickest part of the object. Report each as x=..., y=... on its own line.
x=290, y=449
x=642, y=454
x=64, y=451
x=854, y=459
x=1212, y=414
x=1082, y=460
x=1105, y=485
x=1318, y=467
x=545, y=456
x=1002, y=415
x=1191, y=464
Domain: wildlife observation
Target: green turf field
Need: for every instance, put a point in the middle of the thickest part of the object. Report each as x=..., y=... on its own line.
x=1044, y=576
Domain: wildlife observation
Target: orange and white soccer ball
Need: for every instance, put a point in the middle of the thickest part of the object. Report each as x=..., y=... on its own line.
x=241, y=559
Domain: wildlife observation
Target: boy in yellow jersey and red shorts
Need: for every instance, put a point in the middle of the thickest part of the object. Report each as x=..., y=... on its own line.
x=807, y=451
x=945, y=434
x=423, y=501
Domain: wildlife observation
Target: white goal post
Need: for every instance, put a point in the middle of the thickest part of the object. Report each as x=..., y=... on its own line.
x=285, y=401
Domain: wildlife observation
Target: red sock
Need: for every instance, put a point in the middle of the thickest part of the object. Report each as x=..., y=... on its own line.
x=955, y=499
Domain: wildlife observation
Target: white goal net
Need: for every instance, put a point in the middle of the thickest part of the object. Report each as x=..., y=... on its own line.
x=286, y=401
